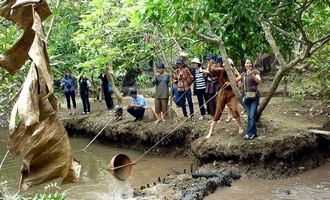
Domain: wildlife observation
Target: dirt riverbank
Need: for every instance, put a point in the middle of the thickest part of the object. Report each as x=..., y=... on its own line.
x=285, y=146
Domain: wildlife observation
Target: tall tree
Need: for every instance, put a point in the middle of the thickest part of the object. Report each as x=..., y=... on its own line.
x=282, y=23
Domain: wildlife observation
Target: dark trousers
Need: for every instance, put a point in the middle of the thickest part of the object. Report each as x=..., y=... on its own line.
x=71, y=95
x=201, y=97
x=136, y=112
x=212, y=104
x=85, y=100
x=186, y=95
x=108, y=100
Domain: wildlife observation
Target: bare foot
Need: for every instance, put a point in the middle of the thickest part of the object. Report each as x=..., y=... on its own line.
x=240, y=130
x=164, y=120
x=228, y=120
x=157, y=121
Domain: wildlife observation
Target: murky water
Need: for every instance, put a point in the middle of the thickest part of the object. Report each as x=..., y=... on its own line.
x=97, y=183
x=311, y=185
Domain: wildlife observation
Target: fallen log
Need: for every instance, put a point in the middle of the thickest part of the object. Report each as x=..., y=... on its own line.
x=320, y=132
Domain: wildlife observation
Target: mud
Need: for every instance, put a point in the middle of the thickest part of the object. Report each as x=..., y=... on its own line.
x=186, y=186
x=279, y=151
x=138, y=135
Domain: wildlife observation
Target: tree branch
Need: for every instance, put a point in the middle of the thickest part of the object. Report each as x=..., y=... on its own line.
x=273, y=44
x=320, y=45
x=302, y=31
x=303, y=67
x=303, y=7
x=283, y=32
x=52, y=22
x=232, y=79
x=322, y=39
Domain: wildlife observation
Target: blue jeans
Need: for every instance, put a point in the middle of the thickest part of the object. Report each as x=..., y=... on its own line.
x=251, y=106
x=183, y=95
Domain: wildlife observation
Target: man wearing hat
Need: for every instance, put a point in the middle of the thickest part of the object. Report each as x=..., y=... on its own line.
x=138, y=105
x=185, y=79
x=199, y=85
x=161, y=80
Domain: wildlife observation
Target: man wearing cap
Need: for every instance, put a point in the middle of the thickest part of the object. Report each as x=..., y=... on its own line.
x=199, y=85
x=212, y=85
x=225, y=96
x=185, y=79
x=161, y=80
x=138, y=105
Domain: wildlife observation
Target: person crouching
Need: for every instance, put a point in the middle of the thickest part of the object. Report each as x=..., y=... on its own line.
x=138, y=105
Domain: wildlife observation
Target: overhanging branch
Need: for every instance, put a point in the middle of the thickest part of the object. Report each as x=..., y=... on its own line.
x=320, y=44
x=283, y=32
x=273, y=44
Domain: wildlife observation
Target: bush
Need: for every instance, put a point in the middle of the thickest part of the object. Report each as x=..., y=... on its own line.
x=143, y=80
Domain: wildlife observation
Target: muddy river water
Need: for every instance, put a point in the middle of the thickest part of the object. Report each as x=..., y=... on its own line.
x=97, y=183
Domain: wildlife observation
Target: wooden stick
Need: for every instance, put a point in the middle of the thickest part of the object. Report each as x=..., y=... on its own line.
x=122, y=166
x=321, y=132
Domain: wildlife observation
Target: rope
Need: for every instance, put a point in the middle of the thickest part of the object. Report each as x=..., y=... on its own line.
x=4, y=158
x=111, y=120
x=170, y=132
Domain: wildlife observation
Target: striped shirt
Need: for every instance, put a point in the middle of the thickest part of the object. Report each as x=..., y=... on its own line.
x=200, y=81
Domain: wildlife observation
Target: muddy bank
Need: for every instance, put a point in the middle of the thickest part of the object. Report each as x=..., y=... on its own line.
x=186, y=186
x=279, y=151
x=138, y=135
x=285, y=145
x=265, y=158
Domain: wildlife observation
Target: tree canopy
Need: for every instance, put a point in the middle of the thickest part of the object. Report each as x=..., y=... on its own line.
x=86, y=36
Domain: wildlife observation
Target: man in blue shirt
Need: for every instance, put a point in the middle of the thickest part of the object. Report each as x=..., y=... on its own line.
x=138, y=105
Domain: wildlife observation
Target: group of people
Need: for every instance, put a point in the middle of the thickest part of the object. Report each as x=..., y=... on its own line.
x=212, y=87
x=210, y=84
x=69, y=85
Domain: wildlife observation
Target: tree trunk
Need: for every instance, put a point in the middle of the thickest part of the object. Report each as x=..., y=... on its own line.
x=114, y=87
x=52, y=22
x=231, y=76
x=130, y=79
x=277, y=79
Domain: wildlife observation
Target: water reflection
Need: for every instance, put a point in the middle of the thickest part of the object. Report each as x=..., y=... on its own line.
x=96, y=182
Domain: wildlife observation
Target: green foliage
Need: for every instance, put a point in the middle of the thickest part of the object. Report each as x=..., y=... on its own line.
x=321, y=77
x=88, y=35
x=46, y=195
x=143, y=81
x=39, y=196
x=55, y=196
x=109, y=31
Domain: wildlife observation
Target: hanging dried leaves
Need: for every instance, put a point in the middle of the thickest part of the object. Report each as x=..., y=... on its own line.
x=33, y=119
